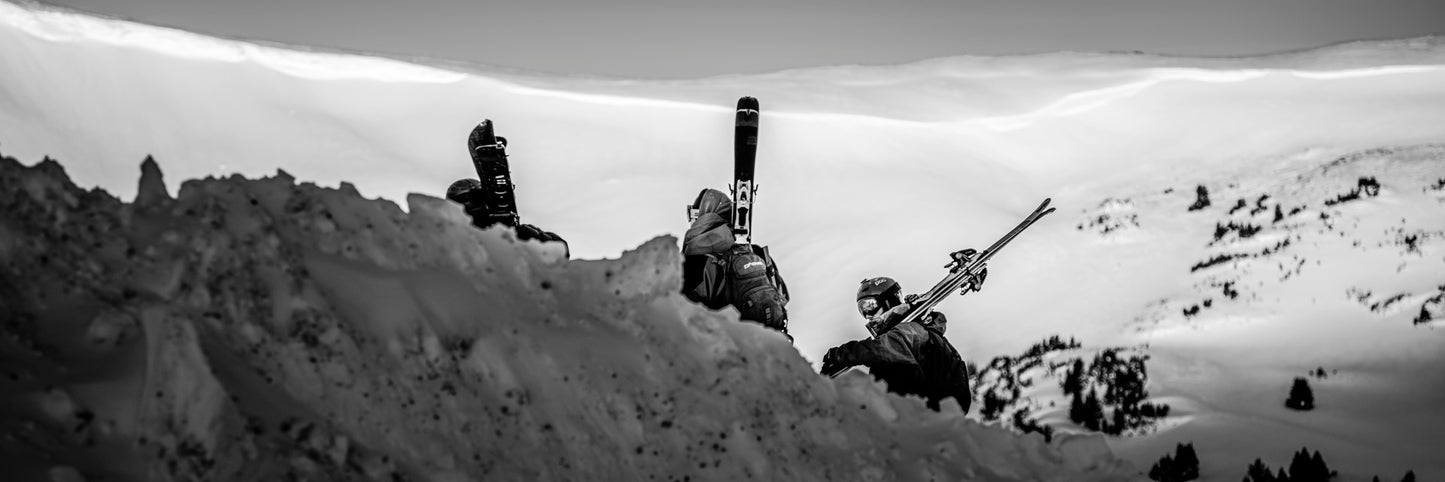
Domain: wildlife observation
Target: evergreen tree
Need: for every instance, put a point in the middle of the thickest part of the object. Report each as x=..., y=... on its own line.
x=1258, y=472
x=1300, y=395
x=1117, y=426
x=1321, y=471
x=1076, y=409
x=1281, y=476
x=1163, y=470
x=1074, y=378
x=1186, y=461
x=1300, y=468
x=1409, y=477
x=992, y=405
x=1093, y=411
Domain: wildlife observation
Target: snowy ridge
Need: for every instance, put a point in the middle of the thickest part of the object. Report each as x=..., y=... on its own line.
x=266, y=329
x=60, y=26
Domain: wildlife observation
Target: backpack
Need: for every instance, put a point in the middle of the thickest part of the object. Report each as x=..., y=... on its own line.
x=948, y=371
x=752, y=285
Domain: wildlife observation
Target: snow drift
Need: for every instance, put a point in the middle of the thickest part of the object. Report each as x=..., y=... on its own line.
x=251, y=329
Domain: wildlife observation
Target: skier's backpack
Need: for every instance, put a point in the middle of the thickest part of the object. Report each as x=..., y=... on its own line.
x=753, y=286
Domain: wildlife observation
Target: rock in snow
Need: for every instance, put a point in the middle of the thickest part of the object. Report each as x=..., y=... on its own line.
x=258, y=328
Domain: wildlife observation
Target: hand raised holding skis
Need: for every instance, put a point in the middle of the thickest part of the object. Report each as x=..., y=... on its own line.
x=903, y=327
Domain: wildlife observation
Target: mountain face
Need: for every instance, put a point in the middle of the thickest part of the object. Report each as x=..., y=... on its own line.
x=259, y=329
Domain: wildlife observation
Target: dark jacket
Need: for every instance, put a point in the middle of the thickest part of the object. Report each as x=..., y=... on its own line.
x=912, y=359
x=702, y=278
x=705, y=251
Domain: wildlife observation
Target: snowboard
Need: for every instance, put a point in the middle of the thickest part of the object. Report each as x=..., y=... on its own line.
x=497, y=194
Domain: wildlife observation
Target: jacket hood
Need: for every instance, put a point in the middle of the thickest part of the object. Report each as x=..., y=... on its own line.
x=709, y=234
x=713, y=201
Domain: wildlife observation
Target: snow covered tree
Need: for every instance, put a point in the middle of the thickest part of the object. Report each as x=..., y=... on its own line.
x=1300, y=395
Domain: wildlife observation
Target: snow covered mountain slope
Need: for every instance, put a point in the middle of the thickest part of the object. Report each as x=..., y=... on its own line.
x=881, y=171
x=607, y=163
x=1326, y=260
x=254, y=330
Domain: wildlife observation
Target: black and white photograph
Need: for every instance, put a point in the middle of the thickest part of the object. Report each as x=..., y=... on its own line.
x=786, y=240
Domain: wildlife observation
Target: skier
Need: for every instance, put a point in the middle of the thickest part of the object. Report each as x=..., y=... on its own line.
x=717, y=271
x=490, y=207
x=912, y=358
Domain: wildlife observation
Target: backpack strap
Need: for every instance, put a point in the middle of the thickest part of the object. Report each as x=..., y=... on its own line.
x=773, y=275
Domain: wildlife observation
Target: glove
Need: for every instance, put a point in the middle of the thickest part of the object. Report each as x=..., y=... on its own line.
x=831, y=364
x=911, y=298
x=831, y=369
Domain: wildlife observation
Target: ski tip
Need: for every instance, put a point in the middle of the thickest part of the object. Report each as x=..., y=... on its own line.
x=748, y=102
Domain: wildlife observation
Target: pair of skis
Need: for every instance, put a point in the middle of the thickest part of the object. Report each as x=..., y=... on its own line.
x=745, y=154
x=963, y=271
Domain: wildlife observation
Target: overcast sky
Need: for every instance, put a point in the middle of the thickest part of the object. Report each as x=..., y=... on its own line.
x=691, y=38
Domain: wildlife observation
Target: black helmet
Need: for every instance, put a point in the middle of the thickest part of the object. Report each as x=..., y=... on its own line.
x=878, y=294
x=460, y=191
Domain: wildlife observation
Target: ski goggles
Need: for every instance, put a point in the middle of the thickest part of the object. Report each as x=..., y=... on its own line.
x=868, y=307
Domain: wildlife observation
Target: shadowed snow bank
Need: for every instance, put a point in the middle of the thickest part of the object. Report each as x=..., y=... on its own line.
x=250, y=329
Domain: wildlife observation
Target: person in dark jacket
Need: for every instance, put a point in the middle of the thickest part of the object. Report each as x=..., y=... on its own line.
x=718, y=272
x=912, y=358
